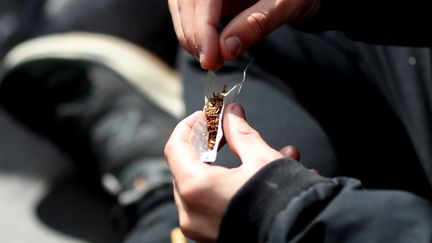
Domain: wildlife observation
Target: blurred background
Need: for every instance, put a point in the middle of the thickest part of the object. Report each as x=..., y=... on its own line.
x=42, y=198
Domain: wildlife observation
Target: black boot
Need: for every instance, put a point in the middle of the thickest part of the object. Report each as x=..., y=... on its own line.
x=87, y=110
x=112, y=131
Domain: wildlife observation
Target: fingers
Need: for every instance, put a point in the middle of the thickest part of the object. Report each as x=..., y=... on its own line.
x=291, y=152
x=186, y=11
x=244, y=141
x=179, y=153
x=257, y=21
x=249, y=27
x=177, y=23
x=183, y=17
x=207, y=15
x=195, y=25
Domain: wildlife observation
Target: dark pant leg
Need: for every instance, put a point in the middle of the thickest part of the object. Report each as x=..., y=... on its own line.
x=112, y=132
x=311, y=91
x=156, y=226
x=271, y=107
x=402, y=75
x=341, y=86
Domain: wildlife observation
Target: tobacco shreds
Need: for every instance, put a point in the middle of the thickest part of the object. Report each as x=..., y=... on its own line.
x=212, y=112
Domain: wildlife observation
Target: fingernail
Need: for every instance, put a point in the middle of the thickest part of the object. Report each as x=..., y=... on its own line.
x=233, y=45
x=237, y=110
x=201, y=56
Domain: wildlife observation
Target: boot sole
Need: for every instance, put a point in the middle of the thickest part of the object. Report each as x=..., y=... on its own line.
x=141, y=68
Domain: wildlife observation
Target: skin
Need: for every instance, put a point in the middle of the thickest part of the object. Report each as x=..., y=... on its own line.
x=195, y=23
x=202, y=191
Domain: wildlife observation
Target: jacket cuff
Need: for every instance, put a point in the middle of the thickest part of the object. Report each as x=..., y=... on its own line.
x=252, y=210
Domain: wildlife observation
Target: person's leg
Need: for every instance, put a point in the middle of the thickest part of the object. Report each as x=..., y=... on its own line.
x=340, y=83
x=402, y=75
x=271, y=107
x=329, y=78
x=105, y=119
x=310, y=91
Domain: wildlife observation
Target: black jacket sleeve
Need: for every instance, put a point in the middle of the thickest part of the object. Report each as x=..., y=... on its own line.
x=285, y=202
x=405, y=22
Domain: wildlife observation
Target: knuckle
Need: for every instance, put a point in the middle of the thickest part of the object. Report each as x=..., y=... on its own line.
x=259, y=23
x=248, y=133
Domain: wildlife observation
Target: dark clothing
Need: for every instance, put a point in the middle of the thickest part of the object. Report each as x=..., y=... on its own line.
x=84, y=108
x=355, y=110
x=112, y=132
x=352, y=105
x=287, y=203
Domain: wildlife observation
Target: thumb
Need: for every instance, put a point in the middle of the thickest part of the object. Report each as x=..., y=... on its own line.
x=244, y=141
x=254, y=23
x=247, y=28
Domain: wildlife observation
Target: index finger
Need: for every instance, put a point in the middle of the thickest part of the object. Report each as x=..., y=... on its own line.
x=208, y=14
x=175, y=16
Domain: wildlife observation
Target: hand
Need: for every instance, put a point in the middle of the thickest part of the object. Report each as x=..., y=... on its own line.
x=195, y=23
x=202, y=192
